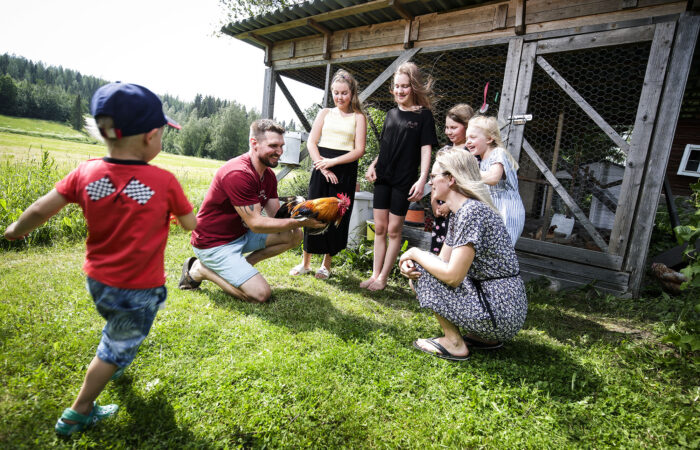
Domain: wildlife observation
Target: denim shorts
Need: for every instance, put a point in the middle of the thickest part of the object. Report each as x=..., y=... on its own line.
x=228, y=261
x=129, y=314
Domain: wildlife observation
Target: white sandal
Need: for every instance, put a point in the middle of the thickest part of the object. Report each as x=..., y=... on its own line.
x=299, y=269
x=322, y=273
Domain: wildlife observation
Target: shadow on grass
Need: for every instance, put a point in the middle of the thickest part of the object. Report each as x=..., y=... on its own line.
x=152, y=421
x=300, y=311
x=538, y=366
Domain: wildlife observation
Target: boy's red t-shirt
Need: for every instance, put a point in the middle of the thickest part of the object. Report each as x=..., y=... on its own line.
x=127, y=205
x=236, y=183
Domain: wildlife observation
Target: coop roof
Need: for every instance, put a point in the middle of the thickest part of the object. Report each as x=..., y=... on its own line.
x=292, y=22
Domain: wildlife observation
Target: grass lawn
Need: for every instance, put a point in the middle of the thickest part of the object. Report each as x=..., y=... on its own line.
x=326, y=364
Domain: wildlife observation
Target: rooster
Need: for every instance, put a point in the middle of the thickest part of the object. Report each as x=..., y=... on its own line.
x=326, y=209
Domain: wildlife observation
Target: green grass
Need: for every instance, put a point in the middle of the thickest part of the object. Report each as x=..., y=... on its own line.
x=37, y=127
x=326, y=364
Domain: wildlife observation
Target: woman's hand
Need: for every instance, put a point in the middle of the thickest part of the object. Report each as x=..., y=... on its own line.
x=409, y=270
x=443, y=210
x=325, y=163
x=371, y=174
x=330, y=176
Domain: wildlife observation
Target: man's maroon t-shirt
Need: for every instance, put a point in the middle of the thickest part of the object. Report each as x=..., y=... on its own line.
x=236, y=183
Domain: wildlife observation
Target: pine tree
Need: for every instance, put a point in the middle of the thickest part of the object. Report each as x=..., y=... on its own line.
x=76, y=114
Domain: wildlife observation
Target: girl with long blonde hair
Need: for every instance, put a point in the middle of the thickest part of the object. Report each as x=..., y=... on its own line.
x=499, y=171
x=407, y=140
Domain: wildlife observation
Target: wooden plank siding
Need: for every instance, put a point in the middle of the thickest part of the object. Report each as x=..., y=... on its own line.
x=467, y=24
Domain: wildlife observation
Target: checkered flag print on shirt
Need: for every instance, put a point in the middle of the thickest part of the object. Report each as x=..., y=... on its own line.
x=138, y=191
x=100, y=189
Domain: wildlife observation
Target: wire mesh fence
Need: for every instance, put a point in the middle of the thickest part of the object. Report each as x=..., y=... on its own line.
x=585, y=160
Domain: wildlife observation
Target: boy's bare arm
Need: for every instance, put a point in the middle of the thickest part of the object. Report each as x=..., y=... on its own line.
x=188, y=221
x=38, y=212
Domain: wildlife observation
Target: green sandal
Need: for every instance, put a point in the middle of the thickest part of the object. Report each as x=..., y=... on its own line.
x=83, y=422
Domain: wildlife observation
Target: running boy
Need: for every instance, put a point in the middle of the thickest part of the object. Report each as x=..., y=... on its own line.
x=127, y=204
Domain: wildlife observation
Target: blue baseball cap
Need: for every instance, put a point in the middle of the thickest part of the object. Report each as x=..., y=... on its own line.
x=133, y=108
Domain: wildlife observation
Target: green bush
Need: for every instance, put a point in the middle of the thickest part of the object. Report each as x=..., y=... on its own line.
x=23, y=182
x=295, y=184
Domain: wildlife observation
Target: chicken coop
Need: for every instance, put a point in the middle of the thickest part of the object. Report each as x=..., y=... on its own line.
x=587, y=92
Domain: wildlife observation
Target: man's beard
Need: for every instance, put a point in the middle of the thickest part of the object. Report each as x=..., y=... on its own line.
x=266, y=161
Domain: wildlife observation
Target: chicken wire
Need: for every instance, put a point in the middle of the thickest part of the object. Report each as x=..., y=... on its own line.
x=589, y=164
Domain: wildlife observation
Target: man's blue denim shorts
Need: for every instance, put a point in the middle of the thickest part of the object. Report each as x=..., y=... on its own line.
x=129, y=314
x=228, y=261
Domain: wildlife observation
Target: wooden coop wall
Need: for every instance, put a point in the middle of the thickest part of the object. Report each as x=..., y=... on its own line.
x=603, y=91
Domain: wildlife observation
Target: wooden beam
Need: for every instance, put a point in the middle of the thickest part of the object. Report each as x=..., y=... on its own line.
x=576, y=254
x=522, y=96
x=268, y=106
x=628, y=4
x=407, y=42
x=346, y=41
x=641, y=136
x=327, y=33
x=520, y=17
x=268, y=47
x=292, y=46
x=388, y=72
x=327, y=87
x=566, y=198
x=599, y=39
x=322, y=29
x=400, y=10
x=660, y=148
x=500, y=15
x=293, y=103
x=510, y=82
x=584, y=105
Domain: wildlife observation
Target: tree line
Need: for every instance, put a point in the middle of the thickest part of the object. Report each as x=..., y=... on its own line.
x=211, y=127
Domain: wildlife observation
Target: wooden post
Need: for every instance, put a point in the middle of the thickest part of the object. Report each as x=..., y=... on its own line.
x=327, y=87
x=293, y=103
x=268, y=106
x=660, y=148
x=388, y=72
x=510, y=82
x=522, y=96
x=550, y=190
x=519, y=17
x=641, y=137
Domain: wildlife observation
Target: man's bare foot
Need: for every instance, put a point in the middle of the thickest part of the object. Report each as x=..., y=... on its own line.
x=365, y=284
x=378, y=285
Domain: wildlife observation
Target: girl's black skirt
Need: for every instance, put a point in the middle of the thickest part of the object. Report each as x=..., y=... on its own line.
x=334, y=239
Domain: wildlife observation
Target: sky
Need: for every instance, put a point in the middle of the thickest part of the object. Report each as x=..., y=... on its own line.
x=169, y=46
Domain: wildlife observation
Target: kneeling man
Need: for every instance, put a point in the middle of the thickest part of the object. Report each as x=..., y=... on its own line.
x=230, y=222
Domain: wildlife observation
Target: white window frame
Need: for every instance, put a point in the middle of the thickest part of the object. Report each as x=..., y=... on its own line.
x=686, y=154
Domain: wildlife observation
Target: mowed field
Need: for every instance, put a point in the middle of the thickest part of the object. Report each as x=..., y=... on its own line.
x=27, y=139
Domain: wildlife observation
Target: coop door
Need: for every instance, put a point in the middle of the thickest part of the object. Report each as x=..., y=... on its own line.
x=592, y=100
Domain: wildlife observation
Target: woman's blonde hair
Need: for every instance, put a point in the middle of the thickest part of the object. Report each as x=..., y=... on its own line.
x=343, y=76
x=489, y=125
x=461, y=113
x=422, y=88
x=464, y=169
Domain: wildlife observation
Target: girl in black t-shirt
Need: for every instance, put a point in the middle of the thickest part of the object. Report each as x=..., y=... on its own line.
x=407, y=140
